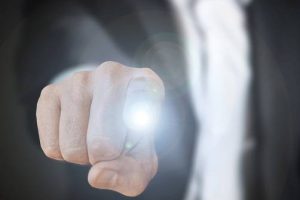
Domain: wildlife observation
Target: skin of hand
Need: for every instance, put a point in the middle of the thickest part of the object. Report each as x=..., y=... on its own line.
x=80, y=121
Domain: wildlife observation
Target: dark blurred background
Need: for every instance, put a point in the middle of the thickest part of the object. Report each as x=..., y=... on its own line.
x=21, y=172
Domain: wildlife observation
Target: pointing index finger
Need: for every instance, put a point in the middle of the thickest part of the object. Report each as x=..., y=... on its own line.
x=142, y=107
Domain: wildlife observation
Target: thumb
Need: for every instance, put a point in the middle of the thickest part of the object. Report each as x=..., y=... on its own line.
x=129, y=174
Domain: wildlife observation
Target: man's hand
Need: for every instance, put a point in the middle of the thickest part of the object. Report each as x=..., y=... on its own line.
x=81, y=120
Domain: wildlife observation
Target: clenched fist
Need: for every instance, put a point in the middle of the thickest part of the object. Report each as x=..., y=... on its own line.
x=101, y=118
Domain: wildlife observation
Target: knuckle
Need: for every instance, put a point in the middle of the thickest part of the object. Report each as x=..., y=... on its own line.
x=110, y=64
x=77, y=91
x=48, y=91
x=150, y=74
x=80, y=78
x=110, y=72
x=110, y=68
x=48, y=94
x=147, y=71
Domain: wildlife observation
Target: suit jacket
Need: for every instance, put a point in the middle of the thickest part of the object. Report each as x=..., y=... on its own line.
x=58, y=35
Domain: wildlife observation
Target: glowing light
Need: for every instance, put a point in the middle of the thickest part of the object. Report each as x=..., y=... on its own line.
x=140, y=117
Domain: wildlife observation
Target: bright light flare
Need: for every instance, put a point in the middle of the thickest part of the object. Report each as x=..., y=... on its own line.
x=140, y=117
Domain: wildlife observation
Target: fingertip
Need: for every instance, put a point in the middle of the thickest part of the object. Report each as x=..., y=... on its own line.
x=53, y=153
x=125, y=176
x=75, y=155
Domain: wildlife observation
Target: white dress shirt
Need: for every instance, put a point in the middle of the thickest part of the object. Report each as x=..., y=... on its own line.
x=217, y=56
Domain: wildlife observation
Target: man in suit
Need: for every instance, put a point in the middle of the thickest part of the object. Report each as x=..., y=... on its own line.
x=60, y=36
